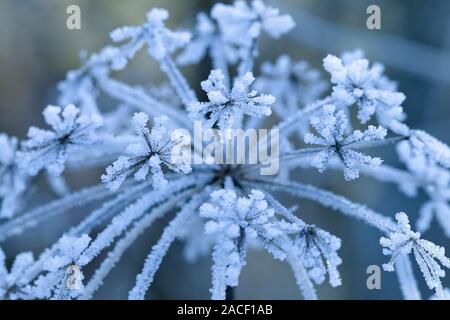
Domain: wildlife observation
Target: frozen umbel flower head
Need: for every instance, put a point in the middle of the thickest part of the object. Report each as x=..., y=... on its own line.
x=12, y=285
x=63, y=279
x=153, y=149
x=356, y=83
x=216, y=208
x=232, y=220
x=50, y=148
x=404, y=240
x=241, y=23
x=318, y=251
x=13, y=180
x=223, y=105
x=161, y=41
x=331, y=126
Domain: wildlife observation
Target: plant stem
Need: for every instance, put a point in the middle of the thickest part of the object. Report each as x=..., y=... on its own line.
x=229, y=293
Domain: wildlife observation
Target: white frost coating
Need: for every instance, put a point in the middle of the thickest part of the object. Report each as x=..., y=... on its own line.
x=224, y=104
x=12, y=280
x=50, y=148
x=423, y=143
x=124, y=243
x=428, y=255
x=153, y=150
x=32, y=218
x=242, y=23
x=433, y=179
x=54, y=283
x=333, y=201
x=134, y=211
x=234, y=221
x=331, y=125
x=357, y=83
x=159, y=250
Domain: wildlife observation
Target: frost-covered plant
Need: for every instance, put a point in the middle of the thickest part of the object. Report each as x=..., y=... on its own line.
x=223, y=105
x=220, y=208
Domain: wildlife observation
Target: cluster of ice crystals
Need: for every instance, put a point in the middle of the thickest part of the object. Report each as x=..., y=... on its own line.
x=63, y=277
x=428, y=255
x=424, y=144
x=153, y=149
x=318, y=251
x=50, y=148
x=232, y=220
x=331, y=126
x=357, y=83
x=241, y=23
x=223, y=104
x=12, y=285
x=161, y=41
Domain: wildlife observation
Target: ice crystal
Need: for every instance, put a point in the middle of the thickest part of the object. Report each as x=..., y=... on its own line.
x=331, y=126
x=154, y=149
x=50, y=148
x=357, y=83
x=224, y=104
x=404, y=240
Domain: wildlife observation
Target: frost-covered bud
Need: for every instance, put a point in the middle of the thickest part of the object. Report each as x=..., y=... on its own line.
x=13, y=180
x=318, y=251
x=153, y=149
x=357, y=83
x=50, y=148
x=160, y=40
x=428, y=255
x=331, y=126
x=241, y=23
x=223, y=104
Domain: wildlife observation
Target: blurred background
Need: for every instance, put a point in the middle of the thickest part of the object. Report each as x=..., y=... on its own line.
x=36, y=50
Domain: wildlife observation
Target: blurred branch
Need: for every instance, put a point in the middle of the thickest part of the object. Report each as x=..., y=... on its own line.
x=410, y=56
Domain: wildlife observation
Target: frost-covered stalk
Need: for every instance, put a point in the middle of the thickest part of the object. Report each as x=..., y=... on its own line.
x=161, y=43
x=152, y=262
x=222, y=209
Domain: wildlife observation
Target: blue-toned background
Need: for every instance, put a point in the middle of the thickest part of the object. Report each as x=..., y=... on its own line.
x=36, y=50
